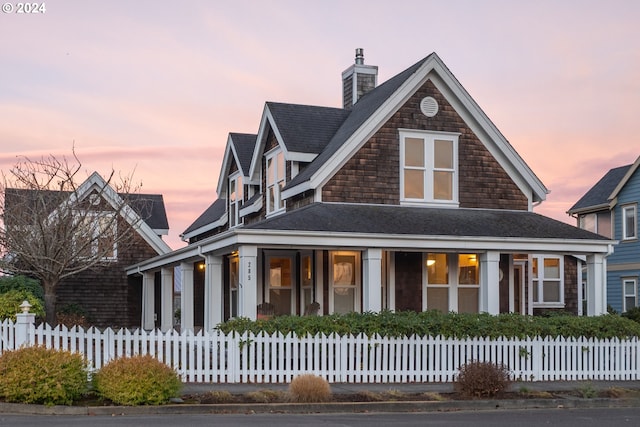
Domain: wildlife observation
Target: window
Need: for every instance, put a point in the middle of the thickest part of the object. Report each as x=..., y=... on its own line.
x=629, y=222
x=306, y=282
x=597, y=222
x=235, y=199
x=97, y=235
x=234, y=278
x=429, y=168
x=547, y=281
x=280, y=283
x=453, y=292
x=630, y=294
x=468, y=283
x=275, y=181
x=345, y=282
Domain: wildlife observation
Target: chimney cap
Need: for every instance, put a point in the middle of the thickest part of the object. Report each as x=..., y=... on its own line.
x=360, y=56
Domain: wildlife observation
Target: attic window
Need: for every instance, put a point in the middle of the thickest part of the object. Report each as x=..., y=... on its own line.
x=429, y=106
x=94, y=199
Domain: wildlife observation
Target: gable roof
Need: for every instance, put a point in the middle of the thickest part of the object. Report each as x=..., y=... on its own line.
x=405, y=220
x=627, y=176
x=599, y=195
x=144, y=211
x=302, y=131
x=240, y=146
x=374, y=108
x=214, y=216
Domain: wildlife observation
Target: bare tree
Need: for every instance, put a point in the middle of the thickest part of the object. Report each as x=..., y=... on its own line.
x=54, y=227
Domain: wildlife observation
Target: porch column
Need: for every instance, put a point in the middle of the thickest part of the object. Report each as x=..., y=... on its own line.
x=490, y=282
x=148, y=301
x=166, y=299
x=372, y=283
x=213, y=296
x=248, y=286
x=186, y=300
x=596, y=283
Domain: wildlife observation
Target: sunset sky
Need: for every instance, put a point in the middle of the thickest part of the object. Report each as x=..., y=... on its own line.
x=156, y=86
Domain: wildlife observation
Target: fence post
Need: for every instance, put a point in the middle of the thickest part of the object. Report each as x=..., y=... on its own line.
x=24, y=323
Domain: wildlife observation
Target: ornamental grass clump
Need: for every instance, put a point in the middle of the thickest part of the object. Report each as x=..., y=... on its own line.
x=41, y=375
x=309, y=388
x=137, y=380
x=481, y=379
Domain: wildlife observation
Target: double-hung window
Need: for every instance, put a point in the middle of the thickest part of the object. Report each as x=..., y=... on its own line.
x=548, y=281
x=629, y=222
x=275, y=180
x=630, y=293
x=96, y=235
x=429, y=167
x=235, y=199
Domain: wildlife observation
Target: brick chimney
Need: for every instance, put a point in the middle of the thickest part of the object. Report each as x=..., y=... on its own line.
x=357, y=80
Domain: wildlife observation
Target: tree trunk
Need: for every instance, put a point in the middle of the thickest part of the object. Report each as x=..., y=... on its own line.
x=50, y=298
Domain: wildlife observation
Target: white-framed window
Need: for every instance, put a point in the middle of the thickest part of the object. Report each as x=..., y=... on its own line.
x=452, y=292
x=234, y=281
x=345, y=282
x=306, y=281
x=629, y=222
x=97, y=233
x=629, y=293
x=275, y=180
x=280, y=283
x=428, y=168
x=235, y=199
x=597, y=222
x=547, y=274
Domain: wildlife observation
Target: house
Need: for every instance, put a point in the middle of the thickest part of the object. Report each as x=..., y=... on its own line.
x=105, y=293
x=407, y=197
x=610, y=208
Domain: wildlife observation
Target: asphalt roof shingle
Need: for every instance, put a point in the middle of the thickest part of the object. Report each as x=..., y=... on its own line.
x=598, y=195
x=419, y=221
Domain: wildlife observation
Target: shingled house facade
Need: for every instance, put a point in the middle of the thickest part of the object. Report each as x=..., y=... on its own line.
x=105, y=294
x=407, y=198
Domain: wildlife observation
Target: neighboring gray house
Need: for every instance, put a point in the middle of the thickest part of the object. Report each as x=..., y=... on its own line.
x=610, y=208
x=405, y=198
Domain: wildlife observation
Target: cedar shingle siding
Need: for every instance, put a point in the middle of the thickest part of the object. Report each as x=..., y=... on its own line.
x=372, y=175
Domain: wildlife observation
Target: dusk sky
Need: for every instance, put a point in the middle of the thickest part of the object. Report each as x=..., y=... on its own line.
x=156, y=86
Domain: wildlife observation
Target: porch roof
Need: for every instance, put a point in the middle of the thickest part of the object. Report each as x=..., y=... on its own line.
x=399, y=220
x=328, y=225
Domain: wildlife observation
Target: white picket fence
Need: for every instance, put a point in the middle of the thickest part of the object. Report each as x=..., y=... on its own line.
x=218, y=358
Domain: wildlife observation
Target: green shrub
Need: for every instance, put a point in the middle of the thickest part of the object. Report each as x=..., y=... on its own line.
x=10, y=302
x=22, y=283
x=137, y=380
x=41, y=375
x=632, y=314
x=309, y=388
x=481, y=379
x=434, y=323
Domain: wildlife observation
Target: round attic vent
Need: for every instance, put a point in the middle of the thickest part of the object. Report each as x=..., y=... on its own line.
x=429, y=106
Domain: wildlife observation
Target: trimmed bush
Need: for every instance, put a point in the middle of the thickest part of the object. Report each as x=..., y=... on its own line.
x=481, y=379
x=41, y=375
x=137, y=380
x=309, y=388
x=22, y=283
x=435, y=323
x=10, y=302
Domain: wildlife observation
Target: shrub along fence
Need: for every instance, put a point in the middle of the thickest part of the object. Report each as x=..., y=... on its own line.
x=217, y=357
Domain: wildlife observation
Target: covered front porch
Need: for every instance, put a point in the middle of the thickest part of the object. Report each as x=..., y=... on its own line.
x=244, y=276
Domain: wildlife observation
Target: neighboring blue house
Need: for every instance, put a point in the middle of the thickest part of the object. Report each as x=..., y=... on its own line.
x=610, y=208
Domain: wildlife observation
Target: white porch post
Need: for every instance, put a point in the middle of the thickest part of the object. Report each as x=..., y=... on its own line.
x=248, y=286
x=372, y=283
x=166, y=299
x=596, y=283
x=148, y=300
x=213, y=296
x=186, y=300
x=490, y=282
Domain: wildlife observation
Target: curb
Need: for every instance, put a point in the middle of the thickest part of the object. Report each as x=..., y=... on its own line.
x=330, y=407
